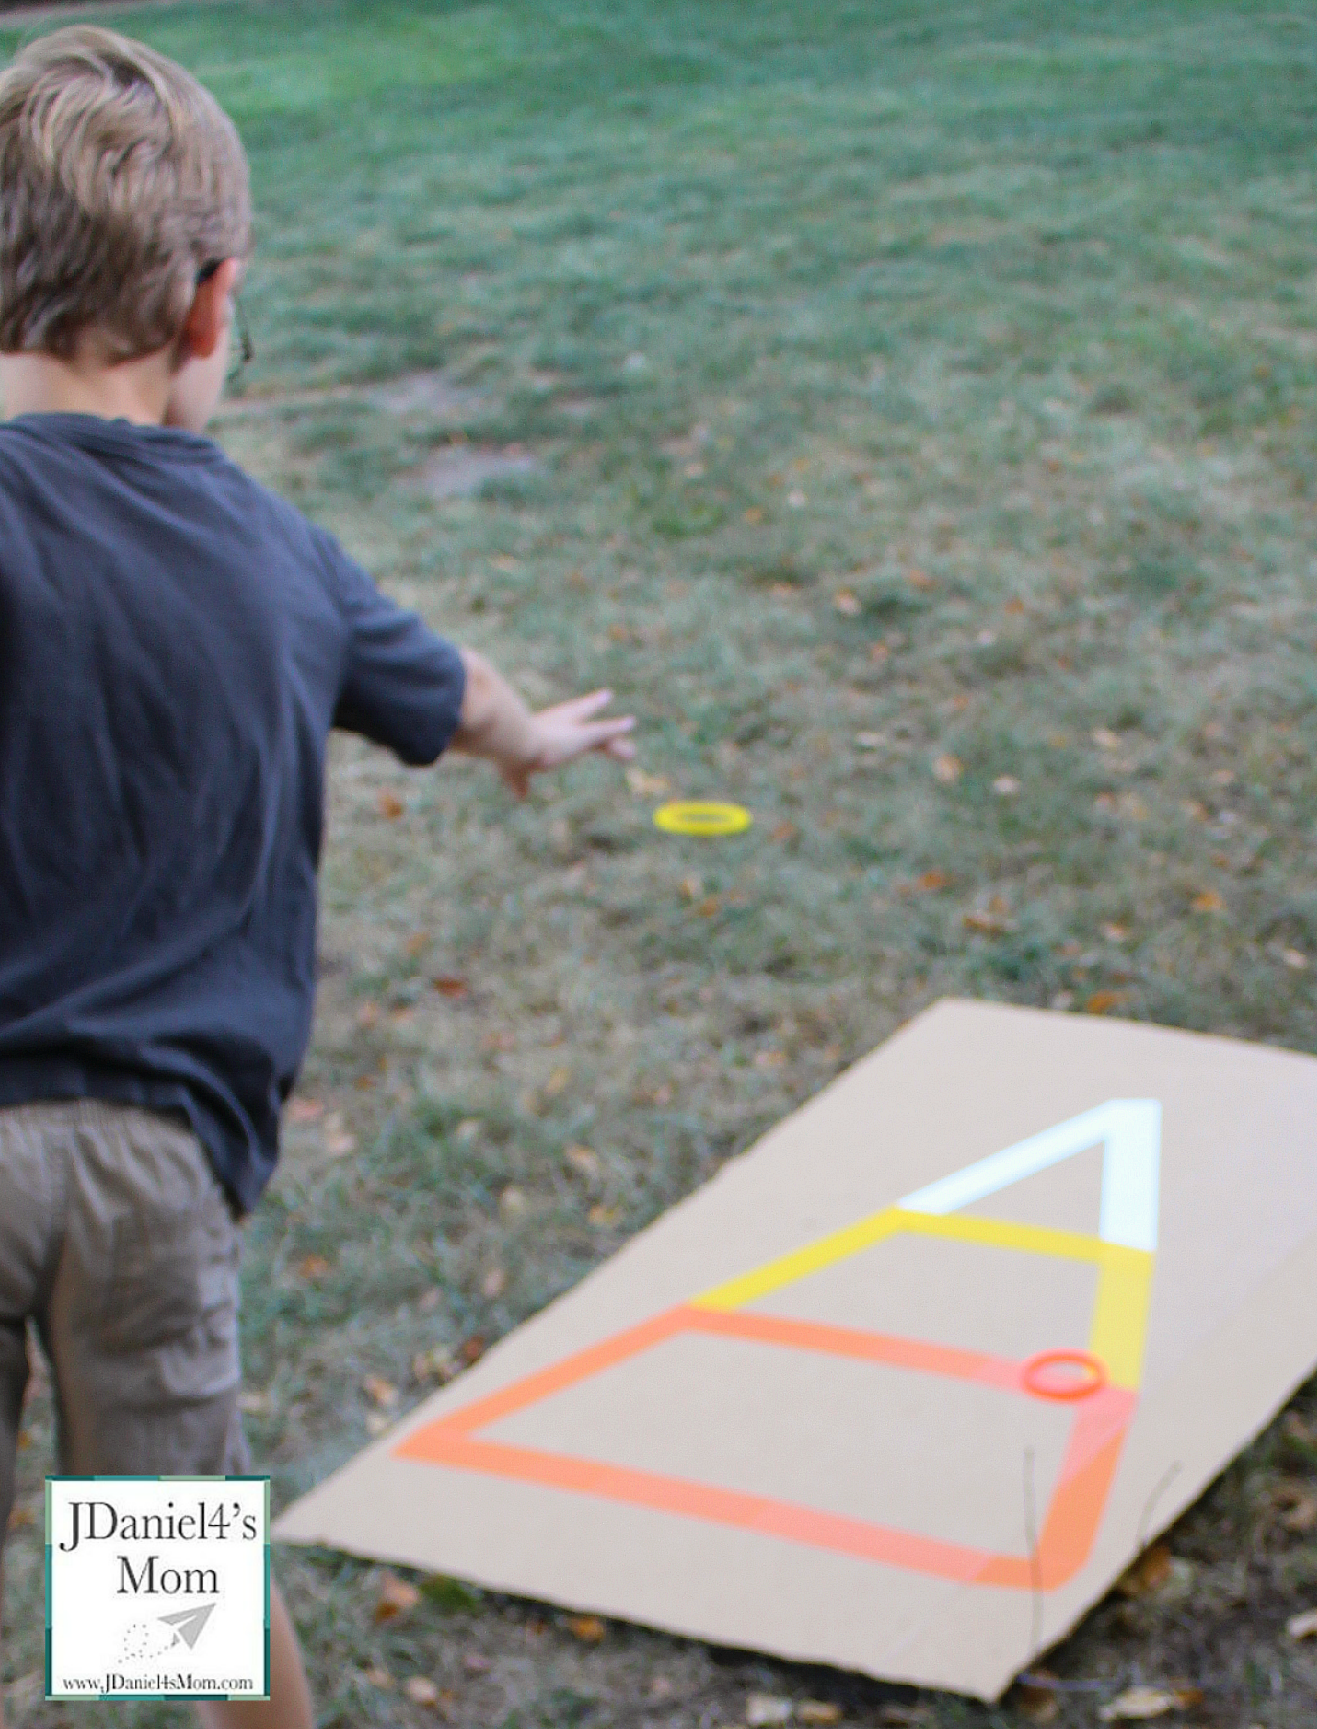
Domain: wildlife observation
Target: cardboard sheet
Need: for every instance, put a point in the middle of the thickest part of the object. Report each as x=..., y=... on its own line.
x=907, y=1385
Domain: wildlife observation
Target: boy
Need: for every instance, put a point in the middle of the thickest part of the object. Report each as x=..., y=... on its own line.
x=175, y=645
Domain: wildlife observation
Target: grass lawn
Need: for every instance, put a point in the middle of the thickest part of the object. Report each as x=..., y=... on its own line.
x=910, y=409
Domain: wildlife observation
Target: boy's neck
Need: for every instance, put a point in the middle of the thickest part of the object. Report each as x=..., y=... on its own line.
x=136, y=390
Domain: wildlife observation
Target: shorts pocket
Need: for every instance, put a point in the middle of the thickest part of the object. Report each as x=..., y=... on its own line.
x=170, y=1304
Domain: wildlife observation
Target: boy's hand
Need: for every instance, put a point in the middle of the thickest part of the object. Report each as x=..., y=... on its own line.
x=497, y=724
x=566, y=731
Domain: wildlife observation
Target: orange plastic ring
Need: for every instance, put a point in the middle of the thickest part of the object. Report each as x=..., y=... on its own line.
x=1035, y=1371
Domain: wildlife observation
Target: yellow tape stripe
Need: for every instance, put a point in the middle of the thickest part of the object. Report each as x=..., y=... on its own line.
x=1124, y=1293
x=1120, y=1314
x=800, y=1263
x=814, y=1257
x=1002, y=1234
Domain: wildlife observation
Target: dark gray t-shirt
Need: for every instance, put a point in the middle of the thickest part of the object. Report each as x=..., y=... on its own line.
x=175, y=645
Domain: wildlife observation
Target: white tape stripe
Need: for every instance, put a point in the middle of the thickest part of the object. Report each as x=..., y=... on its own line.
x=1012, y=1165
x=1131, y=1174
x=1130, y=1132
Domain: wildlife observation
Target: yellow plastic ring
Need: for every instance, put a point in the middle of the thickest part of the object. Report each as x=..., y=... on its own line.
x=710, y=821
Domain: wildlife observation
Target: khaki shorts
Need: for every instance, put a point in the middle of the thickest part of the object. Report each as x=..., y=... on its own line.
x=117, y=1242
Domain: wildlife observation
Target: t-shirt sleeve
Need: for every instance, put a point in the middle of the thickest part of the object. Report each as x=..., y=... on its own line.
x=402, y=685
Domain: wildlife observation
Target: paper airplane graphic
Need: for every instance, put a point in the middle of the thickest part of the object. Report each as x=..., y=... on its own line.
x=187, y=1623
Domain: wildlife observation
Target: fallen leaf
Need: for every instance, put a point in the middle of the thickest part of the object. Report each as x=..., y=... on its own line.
x=1294, y=958
x=338, y=1139
x=1151, y=1571
x=1105, y=739
x=449, y=985
x=754, y=515
x=396, y=1597
x=1006, y=786
x=708, y=907
x=796, y=499
x=870, y=740
x=466, y=1131
x=312, y=1267
x=1224, y=777
x=1116, y=933
x=1209, y=901
x=1014, y=606
x=421, y=1690
x=475, y=1664
x=847, y=603
x=254, y=1404
x=1137, y=1704
x=377, y=1677
x=784, y=831
x=1302, y=1626
x=931, y=881
x=988, y=922
x=1300, y=1507
x=471, y=1350
x=765, y=1708
x=436, y=1364
x=583, y=1161
x=417, y=944
x=1036, y=1697
x=305, y=1110
x=20, y=1518
x=557, y=1082
x=494, y=1283
x=878, y=652
x=920, y=579
x=818, y=1711
x=947, y=768
x=602, y=1215
x=769, y=1059
x=383, y=1392
x=647, y=785
x=589, y=1629
x=389, y=805
x=368, y=1014
x=1102, y=1002
x=512, y=1203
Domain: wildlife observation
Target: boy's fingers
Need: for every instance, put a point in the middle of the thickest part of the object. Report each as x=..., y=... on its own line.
x=601, y=729
x=579, y=707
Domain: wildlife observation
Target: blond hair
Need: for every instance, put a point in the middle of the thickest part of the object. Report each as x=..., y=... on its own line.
x=121, y=180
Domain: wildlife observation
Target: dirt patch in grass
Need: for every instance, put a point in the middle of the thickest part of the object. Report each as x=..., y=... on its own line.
x=463, y=470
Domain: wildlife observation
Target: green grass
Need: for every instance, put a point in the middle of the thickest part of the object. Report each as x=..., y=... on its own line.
x=996, y=323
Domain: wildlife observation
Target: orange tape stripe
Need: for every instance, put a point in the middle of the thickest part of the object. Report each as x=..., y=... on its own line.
x=850, y=1342
x=745, y=1512
x=556, y=1378
x=1068, y=1533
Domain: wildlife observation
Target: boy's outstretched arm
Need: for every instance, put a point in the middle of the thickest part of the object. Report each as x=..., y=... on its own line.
x=496, y=723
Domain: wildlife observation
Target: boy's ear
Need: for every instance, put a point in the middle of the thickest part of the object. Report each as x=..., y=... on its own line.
x=208, y=317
